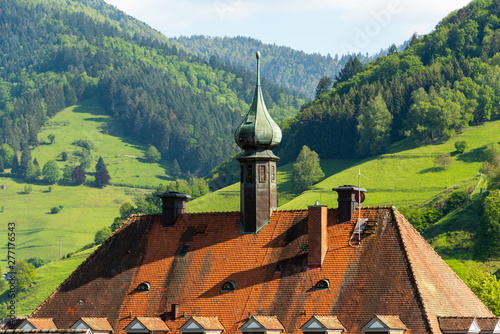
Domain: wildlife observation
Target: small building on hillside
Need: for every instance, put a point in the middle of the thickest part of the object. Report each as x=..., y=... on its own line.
x=263, y=270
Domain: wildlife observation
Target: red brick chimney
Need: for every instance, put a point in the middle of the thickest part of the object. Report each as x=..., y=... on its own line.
x=348, y=201
x=317, y=236
x=173, y=205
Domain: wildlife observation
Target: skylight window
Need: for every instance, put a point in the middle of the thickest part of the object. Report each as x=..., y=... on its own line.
x=229, y=286
x=143, y=287
x=323, y=284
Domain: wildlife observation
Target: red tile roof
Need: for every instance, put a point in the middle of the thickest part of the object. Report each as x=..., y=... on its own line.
x=42, y=323
x=330, y=322
x=44, y=331
x=391, y=321
x=487, y=325
x=153, y=324
x=208, y=323
x=455, y=324
x=269, y=322
x=97, y=324
x=393, y=272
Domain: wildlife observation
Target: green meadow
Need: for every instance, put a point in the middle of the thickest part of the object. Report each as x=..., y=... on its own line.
x=86, y=208
x=405, y=176
x=48, y=278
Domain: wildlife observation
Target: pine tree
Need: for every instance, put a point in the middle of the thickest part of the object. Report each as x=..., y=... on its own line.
x=351, y=68
x=25, y=160
x=176, y=169
x=14, y=165
x=100, y=164
x=324, y=86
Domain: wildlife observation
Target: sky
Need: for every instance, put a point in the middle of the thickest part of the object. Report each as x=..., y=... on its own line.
x=313, y=26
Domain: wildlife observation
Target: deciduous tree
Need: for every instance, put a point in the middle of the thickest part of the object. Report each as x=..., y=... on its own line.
x=152, y=154
x=25, y=275
x=78, y=175
x=102, y=235
x=444, y=160
x=306, y=170
x=102, y=177
x=374, y=127
x=487, y=245
x=51, y=172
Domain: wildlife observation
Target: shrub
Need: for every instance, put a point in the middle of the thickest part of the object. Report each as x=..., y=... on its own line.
x=83, y=143
x=55, y=210
x=490, y=152
x=37, y=261
x=102, y=235
x=456, y=200
x=461, y=146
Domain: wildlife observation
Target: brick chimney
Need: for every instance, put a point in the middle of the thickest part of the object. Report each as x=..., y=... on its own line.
x=317, y=235
x=173, y=205
x=348, y=201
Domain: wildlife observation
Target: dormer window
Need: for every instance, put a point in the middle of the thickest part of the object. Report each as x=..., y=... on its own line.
x=146, y=325
x=385, y=324
x=323, y=284
x=37, y=323
x=143, y=287
x=263, y=324
x=228, y=286
x=322, y=324
x=96, y=325
x=459, y=325
x=202, y=325
x=489, y=325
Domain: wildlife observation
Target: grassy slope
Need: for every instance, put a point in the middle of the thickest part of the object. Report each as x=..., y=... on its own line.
x=48, y=278
x=86, y=208
x=406, y=175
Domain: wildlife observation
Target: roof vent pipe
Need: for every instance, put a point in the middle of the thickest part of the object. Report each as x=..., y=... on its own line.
x=173, y=205
x=348, y=201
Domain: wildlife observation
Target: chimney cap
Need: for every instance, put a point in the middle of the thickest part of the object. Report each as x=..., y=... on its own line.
x=349, y=187
x=173, y=194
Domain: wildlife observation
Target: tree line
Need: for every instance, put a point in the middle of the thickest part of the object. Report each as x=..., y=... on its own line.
x=443, y=82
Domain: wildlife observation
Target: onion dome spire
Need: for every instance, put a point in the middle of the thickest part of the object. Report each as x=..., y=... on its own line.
x=258, y=131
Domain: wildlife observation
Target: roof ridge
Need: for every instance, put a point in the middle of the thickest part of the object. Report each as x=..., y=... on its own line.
x=125, y=224
x=395, y=212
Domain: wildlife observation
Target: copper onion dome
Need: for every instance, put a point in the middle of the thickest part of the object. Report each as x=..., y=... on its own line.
x=258, y=131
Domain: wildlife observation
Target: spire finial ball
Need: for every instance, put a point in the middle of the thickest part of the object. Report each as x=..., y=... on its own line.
x=257, y=55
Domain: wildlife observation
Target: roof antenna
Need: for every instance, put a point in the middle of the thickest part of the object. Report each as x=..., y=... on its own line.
x=359, y=213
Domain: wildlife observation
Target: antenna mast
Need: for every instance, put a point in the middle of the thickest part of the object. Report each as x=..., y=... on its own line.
x=359, y=213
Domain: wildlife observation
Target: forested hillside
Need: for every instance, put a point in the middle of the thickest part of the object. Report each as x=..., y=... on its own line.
x=443, y=82
x=55, y=53
x=291, y=68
